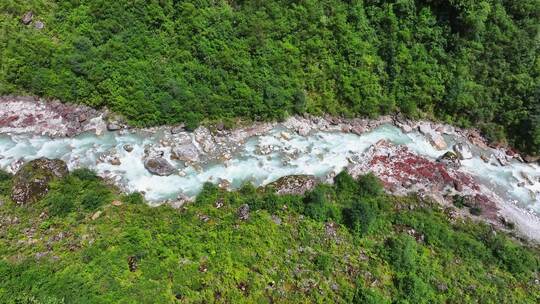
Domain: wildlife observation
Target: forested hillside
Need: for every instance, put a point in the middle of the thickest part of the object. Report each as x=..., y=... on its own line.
x=472, y=63
x=347, y=243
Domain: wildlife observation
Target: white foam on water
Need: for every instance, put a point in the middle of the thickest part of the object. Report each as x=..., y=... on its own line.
x=317, y=154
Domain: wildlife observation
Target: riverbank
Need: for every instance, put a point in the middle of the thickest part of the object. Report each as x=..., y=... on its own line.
x=86, y=242
x=169, y=164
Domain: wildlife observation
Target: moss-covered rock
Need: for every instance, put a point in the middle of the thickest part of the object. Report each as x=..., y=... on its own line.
x=450, y=159
x=294, y=184
x=32, y=181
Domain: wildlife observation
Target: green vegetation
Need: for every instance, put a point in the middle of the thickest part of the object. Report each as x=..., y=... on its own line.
x=345, y=243
x=472, y=63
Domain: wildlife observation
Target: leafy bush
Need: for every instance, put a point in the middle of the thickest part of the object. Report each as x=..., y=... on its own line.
x=133, y=198
x=94, y=198
x=345, y=183
x=475, y=210
x=517, y=260
x=370, y=185
x=5, y=183
x=85, y=174
x=360, y=216
x=402, y=253
x=364, y=295
x=60, y=204
x=317, y=206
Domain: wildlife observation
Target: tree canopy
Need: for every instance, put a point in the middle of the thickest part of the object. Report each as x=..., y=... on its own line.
x=472, y=63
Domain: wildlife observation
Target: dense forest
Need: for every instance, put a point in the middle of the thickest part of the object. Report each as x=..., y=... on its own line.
x=468, y=62
x=84, y=242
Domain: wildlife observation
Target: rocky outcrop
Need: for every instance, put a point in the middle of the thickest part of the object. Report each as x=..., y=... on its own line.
x=463, y=151
x=403, y=171
x=52, y=118
x=532, y=158
x=294, y=184
x=186, y=152
x=31, y=182
x=159, y=166
x=180, y=201
x=402, y=123
x=27, y=18
x=450, y=159
x=243, y=212
x=434, y=137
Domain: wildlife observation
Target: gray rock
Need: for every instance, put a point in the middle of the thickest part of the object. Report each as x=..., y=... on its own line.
x=31, y=182
x=39, y=25
x=177, y=129
x=424, y=129
x=113, y=126
x=433, y=136
x=276, y=219
x=358, y=130
x=204, y=138
x=128, y=147
x=186, y=152
x=531, y=158
x=463, y=151
x=159, y=166
x=243, y=212
x=220, y=126
x=402, y=123
x=437, y=141
x=450, y=159
x=219, y=203
x=501, y=158
x=405, y=128
x=27, y=17
x=180, y=201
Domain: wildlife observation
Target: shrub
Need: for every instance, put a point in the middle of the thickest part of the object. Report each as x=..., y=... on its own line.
x=85, y=174
x=360, y=216
x=459, y=201
x=92, y=199
x=324, y=263
x=5, y=183
x=370, y=185
x=517, y=260
x=364, y=295
x=133, y=198
x=60, y=204
x=345, y=183
x=401, y=253
x=475, y=210
x=317, y=205
x=208, y=194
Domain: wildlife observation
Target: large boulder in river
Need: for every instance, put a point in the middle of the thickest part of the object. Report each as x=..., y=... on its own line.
x=187, y=152
x=434, y=137
x=32, y=180
x=463, y=151
x=294, y=184
x=450, y=159
x=159, y=166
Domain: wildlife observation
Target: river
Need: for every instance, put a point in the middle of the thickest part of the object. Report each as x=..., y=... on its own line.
x=320, y=153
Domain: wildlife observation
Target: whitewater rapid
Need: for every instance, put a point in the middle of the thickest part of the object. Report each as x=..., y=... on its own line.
x=320, y=153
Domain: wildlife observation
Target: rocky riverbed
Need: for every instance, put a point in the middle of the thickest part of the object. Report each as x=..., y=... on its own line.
x=169, y=164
